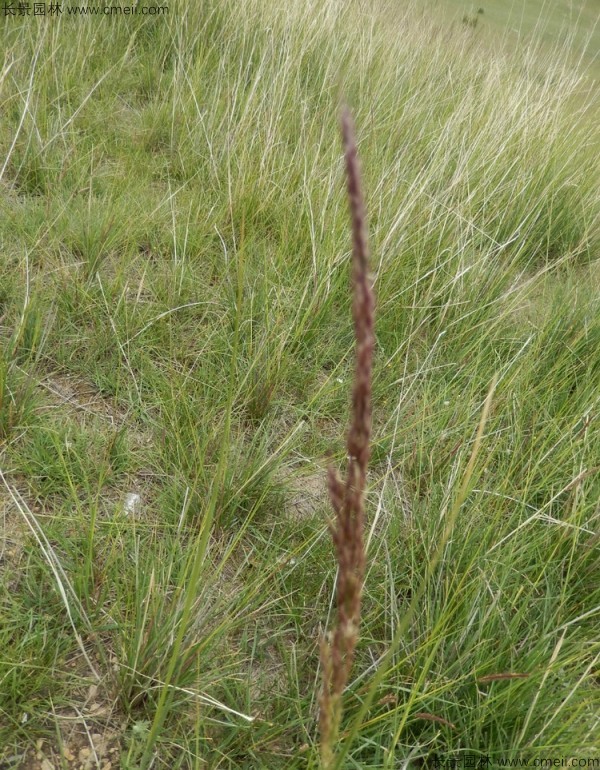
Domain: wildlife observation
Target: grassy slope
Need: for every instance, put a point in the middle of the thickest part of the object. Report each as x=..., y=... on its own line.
x=176, y=324
x=575, y=23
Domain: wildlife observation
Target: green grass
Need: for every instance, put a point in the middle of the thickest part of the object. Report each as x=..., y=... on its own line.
x=562, y=23
x=175, y=323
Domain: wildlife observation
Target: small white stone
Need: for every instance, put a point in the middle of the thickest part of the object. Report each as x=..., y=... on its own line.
x=132, y=504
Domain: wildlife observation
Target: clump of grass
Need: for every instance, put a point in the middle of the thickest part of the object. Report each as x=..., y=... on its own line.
x=17, y=392
x=347, y=499
x=16, y=397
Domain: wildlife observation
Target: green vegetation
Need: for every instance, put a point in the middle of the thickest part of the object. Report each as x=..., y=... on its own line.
x=175, y=324
x=572, y=26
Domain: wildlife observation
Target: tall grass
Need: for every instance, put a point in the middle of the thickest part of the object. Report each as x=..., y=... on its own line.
x=174, y=311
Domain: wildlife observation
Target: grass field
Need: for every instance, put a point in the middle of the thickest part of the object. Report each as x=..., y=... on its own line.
x=571, y=24
x=176, y=364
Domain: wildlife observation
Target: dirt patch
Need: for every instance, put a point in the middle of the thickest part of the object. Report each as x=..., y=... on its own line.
x=84, y=745
x=80, y=397
x=307, y=493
